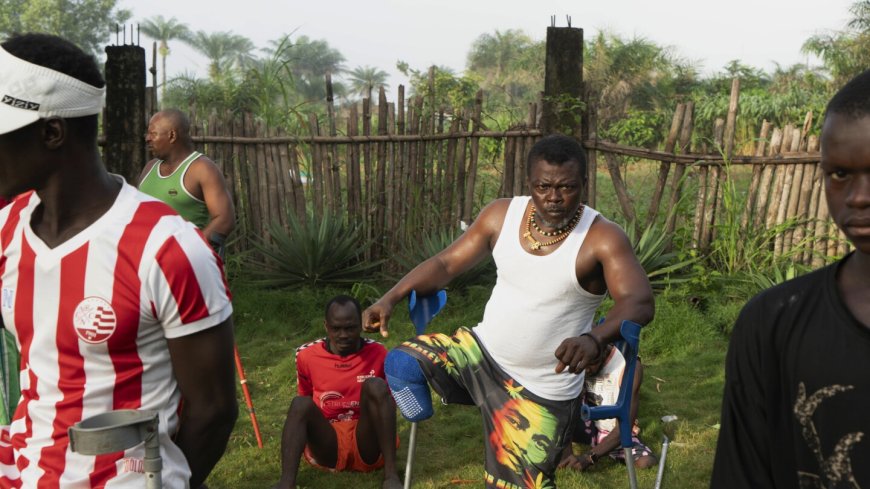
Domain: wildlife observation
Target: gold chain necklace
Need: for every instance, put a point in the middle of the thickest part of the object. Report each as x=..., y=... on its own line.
x=537, y=245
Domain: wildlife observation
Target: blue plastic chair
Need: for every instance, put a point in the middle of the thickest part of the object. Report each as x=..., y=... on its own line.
x=628, y=345
x=421, y=309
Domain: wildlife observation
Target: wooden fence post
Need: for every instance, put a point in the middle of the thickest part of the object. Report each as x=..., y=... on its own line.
x=563, y=81
x=124, y=121
x=334, y=169
x=562, y=101
x=381, y=176
x=471, y=175
x=677, y=182
x=665, y=166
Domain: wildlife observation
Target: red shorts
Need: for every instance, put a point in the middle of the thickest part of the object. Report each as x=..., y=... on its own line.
x=348, y=457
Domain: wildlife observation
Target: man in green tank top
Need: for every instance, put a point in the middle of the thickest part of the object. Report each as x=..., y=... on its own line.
x=185, y=179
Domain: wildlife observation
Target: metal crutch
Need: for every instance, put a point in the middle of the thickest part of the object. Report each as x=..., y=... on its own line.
x=120, y=430
x=669, y=428
x=421, y=309
x=628, y=345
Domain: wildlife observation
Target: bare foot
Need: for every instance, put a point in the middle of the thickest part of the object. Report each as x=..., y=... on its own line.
x=645, y=462
x=393, y=482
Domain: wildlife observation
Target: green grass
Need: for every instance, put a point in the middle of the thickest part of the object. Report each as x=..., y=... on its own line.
x=683, y=352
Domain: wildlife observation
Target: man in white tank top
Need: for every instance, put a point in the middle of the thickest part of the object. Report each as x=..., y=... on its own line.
x=523, y=364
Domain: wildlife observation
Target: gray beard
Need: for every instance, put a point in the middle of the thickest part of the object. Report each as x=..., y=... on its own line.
x=557, y=225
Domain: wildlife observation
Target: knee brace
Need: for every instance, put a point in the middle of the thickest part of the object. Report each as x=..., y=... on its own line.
x=408, y=385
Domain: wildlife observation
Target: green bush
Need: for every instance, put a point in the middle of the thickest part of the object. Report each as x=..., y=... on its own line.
x=662, y=266
x=743, y=257
x=413, y=254
x=318, y=251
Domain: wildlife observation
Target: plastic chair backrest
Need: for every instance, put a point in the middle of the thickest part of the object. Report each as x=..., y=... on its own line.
x=628, y=345
x=422, y=308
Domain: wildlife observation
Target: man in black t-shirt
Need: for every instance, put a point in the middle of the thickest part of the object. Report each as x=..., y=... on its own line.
x=797, y=383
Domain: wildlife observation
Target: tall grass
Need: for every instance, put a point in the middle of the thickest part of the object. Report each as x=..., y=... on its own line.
x=743, y=257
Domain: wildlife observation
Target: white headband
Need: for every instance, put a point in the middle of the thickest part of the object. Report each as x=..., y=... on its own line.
x=29, y=92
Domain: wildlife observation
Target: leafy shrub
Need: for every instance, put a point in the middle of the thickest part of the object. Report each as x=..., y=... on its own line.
x=653, y=247
x=324, y=251
x=744, y=255
x=366, y=293
x=637, y=128
x=755, y=280
x=413, y=254
x=662, y=267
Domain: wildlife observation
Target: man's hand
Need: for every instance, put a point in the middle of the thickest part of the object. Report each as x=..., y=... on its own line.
x=576, y=353
x=376, y=318
x=578, y=463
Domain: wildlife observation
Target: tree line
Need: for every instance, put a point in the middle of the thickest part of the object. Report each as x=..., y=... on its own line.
x=634, y=82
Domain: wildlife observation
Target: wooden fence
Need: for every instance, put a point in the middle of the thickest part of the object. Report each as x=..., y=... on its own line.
x=782, y=198
x=400, y=173
x=411, y=169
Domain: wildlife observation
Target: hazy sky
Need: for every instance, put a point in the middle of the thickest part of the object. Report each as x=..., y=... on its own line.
x=426, y=32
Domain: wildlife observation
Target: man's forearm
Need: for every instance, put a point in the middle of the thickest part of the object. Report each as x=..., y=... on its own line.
x=203, y=436
x=427, y=277
x=609, y=443
x=223, y=225
x=641, y=312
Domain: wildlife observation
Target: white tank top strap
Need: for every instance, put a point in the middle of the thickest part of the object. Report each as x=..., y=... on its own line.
x=182, y=166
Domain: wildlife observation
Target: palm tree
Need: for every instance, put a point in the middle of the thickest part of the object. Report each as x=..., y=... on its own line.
x=844, y=53
x=363, y=78
x=309, y=60
x=225, y=51
x=508, y=62
x=493, y=53
x=164, y=30
x=623, y=74
x=860, y=16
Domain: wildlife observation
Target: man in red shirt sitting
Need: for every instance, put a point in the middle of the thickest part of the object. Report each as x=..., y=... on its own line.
x=343, y=417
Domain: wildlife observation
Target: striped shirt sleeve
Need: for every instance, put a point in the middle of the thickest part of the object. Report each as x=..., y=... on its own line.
x=187, y=286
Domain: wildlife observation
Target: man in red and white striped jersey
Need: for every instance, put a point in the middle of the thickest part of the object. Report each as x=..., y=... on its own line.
x=116, y=302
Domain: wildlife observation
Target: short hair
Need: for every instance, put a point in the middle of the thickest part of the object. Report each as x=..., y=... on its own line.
x=179, y=120
x=342, y=300
x=58, y=54
x=853, y=99
x=557, y=149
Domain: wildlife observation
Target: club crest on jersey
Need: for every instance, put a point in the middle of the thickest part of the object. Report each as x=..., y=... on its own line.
x=94, y=320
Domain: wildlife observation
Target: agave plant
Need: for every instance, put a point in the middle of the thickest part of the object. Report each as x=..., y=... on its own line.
x=412, y=254
x=662, y=267
x=318, y=251
x=759, y=279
